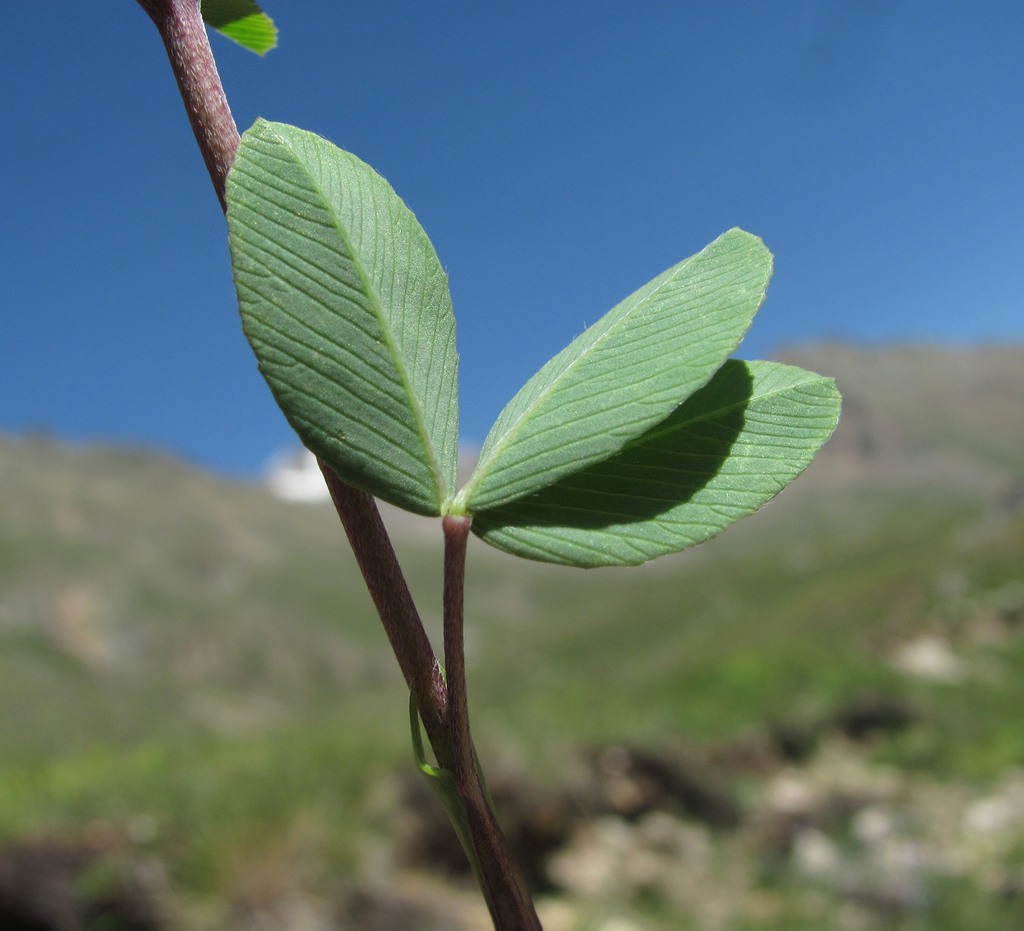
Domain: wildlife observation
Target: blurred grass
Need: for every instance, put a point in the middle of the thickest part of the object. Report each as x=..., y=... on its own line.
x=209, y=804
x=198, y=664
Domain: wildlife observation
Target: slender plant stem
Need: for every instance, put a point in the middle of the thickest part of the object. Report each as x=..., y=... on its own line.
x=442, y=705
x=390, y=593
x=503, y=886
x=180, y=25
x=456, y=538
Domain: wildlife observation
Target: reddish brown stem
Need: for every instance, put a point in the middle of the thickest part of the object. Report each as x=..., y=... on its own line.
x=188, y=47
x=393, y=600
x=456, y=538
x=503, y=886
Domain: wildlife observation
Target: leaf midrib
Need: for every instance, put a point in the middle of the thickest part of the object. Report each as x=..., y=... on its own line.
x=470, y=487
x=371, y=292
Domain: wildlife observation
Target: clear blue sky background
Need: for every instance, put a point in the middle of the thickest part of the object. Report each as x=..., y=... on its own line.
x=560, y=154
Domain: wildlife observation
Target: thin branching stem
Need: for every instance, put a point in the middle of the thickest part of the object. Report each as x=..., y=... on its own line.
x=503, y=886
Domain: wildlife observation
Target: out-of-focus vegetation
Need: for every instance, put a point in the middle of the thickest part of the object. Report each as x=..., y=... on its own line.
x=195, y=689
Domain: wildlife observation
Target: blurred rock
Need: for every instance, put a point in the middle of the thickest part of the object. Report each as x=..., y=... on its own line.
x=658, y=856
x=931, y=658
x=388, y=910
x=633, y=781
x=77, y=884
x=869, y=715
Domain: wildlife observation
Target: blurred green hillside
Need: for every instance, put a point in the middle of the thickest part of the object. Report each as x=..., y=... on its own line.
x=191, y=671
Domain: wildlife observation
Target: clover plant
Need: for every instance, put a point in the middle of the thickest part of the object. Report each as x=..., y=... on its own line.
x=642, y=437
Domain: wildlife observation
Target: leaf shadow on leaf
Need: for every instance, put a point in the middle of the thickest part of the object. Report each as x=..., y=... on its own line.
x=659, y=470
x=624, y=374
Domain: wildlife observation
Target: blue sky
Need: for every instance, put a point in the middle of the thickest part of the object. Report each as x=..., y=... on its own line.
x=559, y=154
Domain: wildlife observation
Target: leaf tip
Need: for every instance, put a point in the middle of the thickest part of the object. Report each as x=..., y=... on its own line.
x=243, y=22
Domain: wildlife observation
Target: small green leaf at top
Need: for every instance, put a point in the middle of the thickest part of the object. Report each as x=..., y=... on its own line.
x=719, y=457
x=346, y=305
x=624, y=374
x=243, y=22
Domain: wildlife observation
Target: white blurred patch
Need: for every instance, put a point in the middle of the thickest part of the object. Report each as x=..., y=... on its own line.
x=295, y=476
x=932, y=658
